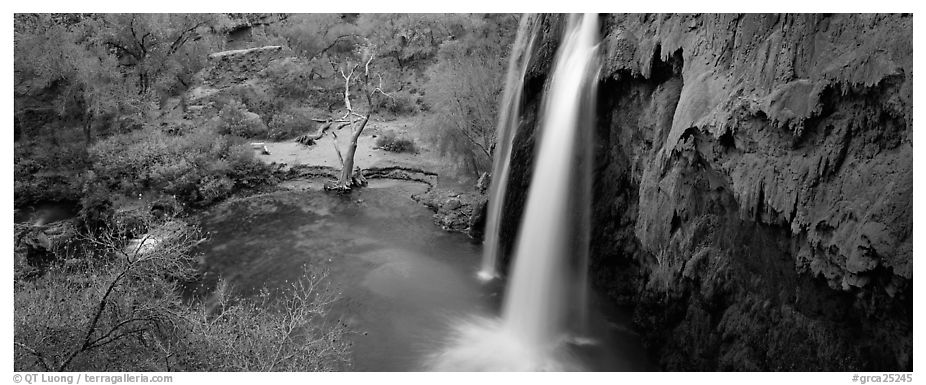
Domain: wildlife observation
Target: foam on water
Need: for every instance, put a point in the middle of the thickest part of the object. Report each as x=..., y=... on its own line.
x=486, y=345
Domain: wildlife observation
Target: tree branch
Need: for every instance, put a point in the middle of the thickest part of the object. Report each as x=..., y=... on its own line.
x=184, y=37
x=366, y=67
x=330, y=46
x=309, y=139
x=115, y=328
x=336, y=149
x=117, y=338
x=102, y=304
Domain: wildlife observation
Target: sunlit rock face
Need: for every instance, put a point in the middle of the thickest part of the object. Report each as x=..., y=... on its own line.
x=753, y=186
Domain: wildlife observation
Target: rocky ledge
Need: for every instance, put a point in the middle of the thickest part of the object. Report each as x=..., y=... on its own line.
x=454, y=211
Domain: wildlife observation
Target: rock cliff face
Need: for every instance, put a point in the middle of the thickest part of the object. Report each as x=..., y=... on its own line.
x=754, y=186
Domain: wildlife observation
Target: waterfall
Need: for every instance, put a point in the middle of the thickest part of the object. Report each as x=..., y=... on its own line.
x=538, y=295
x=508, y=118
x=544, y=303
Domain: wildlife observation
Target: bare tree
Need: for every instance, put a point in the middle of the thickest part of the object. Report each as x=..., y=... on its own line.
x=121, y=309
x=358, y=79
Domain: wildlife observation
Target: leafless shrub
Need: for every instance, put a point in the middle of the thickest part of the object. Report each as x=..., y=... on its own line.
x=286, y=331
x=120, y=309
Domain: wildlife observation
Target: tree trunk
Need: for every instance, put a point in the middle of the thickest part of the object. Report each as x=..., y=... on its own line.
x=348, y=179
x=347, y=168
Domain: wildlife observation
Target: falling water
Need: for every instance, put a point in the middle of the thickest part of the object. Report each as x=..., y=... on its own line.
x=546, y=261
x=544, y=303
x=509, y=113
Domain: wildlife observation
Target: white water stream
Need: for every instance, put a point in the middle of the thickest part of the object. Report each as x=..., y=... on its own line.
x=545, y=300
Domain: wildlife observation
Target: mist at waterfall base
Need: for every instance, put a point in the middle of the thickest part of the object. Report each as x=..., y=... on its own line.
x=545, y=302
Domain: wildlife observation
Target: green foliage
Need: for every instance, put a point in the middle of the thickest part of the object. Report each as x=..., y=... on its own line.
x=389, y=141
x=197, y=168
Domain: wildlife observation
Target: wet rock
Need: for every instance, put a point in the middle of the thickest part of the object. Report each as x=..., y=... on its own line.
x=451, y=204
x=477, y=218
x=753, y=187
x=482, y=184
x=457, y=212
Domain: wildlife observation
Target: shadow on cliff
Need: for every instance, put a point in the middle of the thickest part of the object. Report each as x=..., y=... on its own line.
x=752, y=207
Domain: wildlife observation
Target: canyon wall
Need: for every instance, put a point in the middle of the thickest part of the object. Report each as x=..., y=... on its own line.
x=753, y=190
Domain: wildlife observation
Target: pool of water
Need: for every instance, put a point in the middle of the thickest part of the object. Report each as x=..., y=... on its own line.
x=403, y=281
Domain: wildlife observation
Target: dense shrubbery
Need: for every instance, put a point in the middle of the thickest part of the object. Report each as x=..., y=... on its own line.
x=103, y=67
x=294, y=78
x=105, y=72
x=119, y=308
x=463, y=91
x=256, y=100
x=292, y=123
x=400, y=103
x=235, y=119
x=389, y=141
x=197, y=168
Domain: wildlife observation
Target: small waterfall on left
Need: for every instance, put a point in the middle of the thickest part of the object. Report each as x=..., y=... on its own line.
x=508, y=119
